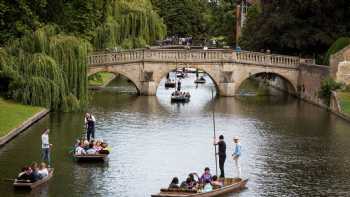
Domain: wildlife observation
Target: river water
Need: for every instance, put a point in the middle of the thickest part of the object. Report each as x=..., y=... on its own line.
x=290, y=148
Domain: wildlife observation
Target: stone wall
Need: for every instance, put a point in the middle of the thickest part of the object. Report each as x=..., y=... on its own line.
x=310, y=79
x=336, y=59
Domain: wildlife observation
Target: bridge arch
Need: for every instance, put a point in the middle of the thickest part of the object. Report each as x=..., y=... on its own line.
x=289, y=79
x=206, y=68
x=117, y=70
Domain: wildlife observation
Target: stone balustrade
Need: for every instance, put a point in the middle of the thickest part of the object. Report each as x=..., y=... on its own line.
x=196, y=56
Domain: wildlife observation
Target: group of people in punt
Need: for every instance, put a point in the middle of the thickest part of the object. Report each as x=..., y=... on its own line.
x=207, y=181
x=33, y=172
x=85, y=147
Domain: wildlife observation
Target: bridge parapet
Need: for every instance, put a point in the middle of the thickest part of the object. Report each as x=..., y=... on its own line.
x=196, y=56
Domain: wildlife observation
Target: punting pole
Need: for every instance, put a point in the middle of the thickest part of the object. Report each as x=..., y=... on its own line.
x=216, y=158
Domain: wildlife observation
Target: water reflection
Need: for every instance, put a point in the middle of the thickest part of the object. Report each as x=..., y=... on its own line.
x=290, y=148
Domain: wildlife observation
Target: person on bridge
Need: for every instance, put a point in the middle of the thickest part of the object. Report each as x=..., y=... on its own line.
x=90, y=126
x=222, y=155
x=179, y=85
x=237, y=152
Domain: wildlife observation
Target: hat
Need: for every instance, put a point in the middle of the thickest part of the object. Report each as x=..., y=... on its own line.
x=235, y=138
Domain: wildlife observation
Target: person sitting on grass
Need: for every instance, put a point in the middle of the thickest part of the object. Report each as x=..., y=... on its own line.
x=215, y=182
x=174, y=183
x=80, y=150
x=207, y=187
x=91, y=150
x=43, y=171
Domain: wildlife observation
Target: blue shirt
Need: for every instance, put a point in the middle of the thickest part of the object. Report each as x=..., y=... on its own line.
x=237, y=151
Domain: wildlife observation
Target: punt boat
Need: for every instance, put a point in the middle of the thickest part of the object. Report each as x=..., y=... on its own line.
x=90, y=158
x=22, y=184
x=230, y=185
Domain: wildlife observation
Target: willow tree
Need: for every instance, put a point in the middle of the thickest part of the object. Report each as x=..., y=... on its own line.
x=51, y=69
x=129, y=24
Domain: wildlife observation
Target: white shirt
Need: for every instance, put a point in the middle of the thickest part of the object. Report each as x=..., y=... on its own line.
x=79, y=151
x=45, y=141
x=92, y=117
x=91, y=151
x=44, y=172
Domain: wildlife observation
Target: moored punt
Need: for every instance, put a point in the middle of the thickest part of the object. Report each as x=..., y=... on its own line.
x=230, y=185
x=90, y=158
x=170, y=84
x=21, y=184
x=200, y=80
x=180, y=98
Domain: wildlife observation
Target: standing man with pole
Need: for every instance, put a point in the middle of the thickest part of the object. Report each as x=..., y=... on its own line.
x=222, y=155
x=90, y=126
x=45, y=147
x=236, y=154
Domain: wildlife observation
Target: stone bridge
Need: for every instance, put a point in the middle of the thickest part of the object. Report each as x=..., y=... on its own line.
x=227, y=68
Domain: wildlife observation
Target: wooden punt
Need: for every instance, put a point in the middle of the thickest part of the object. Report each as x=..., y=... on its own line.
x=200, y=80
x=169, y=84
x=230, y=185
x=20, y=184
x=90, y=158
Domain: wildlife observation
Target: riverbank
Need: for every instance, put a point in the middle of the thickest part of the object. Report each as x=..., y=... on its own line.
x=15, y=118
x=103, y=80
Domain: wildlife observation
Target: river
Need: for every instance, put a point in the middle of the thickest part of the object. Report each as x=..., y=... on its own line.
x=290, y=148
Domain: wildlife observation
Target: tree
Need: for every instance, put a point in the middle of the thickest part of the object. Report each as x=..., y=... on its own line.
x=305, y=28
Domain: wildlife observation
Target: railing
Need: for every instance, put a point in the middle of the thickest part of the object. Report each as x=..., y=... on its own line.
x=195, y=56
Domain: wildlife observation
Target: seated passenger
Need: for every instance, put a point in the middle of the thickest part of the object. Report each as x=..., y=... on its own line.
x=98, y=146
x=86, y=144
x=206, y=176
x=215, y=182
x=27, y=176
x=194, y=183
x=186, y=184
x=207, y=187
x=80, y=150
x=35, y=172
x=105, y=149
x=91, y=150
x=23, y=171
x=174, y=183
x=43, y=171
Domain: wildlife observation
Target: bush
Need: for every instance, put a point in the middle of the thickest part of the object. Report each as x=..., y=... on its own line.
x=327, y=86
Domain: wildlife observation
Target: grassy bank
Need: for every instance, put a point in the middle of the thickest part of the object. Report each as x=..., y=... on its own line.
x=13, y=114
x=101, y=79
x=344, y=98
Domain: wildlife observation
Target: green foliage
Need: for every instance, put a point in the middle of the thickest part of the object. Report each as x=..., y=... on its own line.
x=327, y=86
x=47, y=44
x=338, y=45
x=129, y=24
x=49, y=68
x=294, y=27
